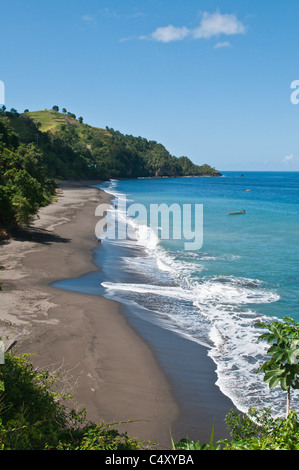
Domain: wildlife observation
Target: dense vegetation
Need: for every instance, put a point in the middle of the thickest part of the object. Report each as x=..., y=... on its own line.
x=39, y=147
x=106, y=153
x=24, y=184
x=33, y=416
x=254, y=430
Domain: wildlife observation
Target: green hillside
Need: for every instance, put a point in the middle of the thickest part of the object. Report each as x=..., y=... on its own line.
x=50, y=120
x=104, y=153
x=39, y=147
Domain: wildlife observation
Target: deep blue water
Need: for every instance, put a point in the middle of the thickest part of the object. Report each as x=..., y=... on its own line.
x=245, y=271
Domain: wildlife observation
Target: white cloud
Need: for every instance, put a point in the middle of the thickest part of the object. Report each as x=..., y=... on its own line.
x=214, y=24
x=289, y=158
x=88, y=18
x=127, y=39
x=110, y=13
x=222, y=44
x=170, y=33
x=138, y=14
x=211, y=25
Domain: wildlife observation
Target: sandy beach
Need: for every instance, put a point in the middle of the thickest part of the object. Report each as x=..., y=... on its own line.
x=109, y=369
x=116, y=368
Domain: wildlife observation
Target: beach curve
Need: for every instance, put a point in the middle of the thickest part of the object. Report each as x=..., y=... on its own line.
x=114, y=373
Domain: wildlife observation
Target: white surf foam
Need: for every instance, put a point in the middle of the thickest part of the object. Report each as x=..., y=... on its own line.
x=164, y=291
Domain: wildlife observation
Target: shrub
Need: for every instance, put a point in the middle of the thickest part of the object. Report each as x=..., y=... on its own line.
x=32, y=416
x=257, y=430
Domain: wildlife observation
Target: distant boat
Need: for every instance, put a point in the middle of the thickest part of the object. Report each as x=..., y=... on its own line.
x=237, y=212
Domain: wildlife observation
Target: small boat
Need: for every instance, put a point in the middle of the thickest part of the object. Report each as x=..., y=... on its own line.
x=237, y=212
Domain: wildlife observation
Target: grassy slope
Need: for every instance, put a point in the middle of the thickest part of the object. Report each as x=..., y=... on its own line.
x=51, y=120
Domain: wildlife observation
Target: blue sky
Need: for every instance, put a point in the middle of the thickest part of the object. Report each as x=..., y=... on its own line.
x=208, y=79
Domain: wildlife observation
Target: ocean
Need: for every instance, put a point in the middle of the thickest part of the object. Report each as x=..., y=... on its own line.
x=245, y=271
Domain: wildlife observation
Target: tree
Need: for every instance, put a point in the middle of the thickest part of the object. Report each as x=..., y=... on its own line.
x=283, y=367
x=64, y=110
x=80, y=119
x=55, y=108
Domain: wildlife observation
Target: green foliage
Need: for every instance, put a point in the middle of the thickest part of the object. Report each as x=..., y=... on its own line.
x=100, y=437
x=248, y=425
x=24, y=186
x=257, y=430
x=33, y=417
x=283, y=367
x=30, y=415
x=185, y=444
x=73, y=149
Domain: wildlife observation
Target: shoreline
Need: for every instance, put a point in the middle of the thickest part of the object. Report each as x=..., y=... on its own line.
x=110, y=370
x=118, y=368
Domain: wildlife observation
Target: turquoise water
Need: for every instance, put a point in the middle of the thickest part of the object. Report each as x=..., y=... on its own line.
x=246, y=269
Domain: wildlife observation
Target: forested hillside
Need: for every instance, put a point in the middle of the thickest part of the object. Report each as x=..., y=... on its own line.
x=24, y=182
x=37, y=148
